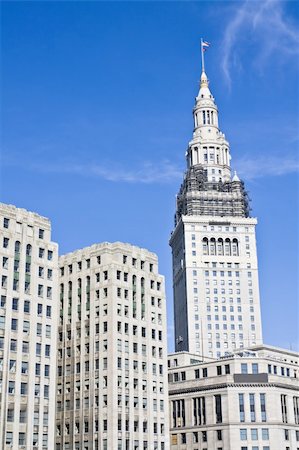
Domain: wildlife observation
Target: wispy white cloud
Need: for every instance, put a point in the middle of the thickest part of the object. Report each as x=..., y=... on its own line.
x=253, y=168
x=148, y=172
x=264, y=26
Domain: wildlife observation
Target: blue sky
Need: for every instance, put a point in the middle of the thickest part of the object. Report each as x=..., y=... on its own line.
x=96, y=116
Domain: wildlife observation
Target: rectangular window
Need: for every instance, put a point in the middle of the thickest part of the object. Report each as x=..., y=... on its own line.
x=263, y=407
x=5, y=242
x=252, y=407
x=243, y=434
x=48, y=311
x=15, y=304
x=241, y=408
x=178, y=413
x=265, y=434
x=296, y=409
x=14, y=324
x=244, y=368
x=255, y=368
x=254, y=434
x=218, y=409
x=284, y=411
x=199, y=411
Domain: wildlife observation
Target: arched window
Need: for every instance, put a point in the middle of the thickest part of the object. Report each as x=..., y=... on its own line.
x=17, y=247
x=28, y=250
x=235, y=247
x=220, y=247
x=205, y=246
x=212, y=117
x=204, y=117
x=213, y=246
x=227, y=248
x=142, y=282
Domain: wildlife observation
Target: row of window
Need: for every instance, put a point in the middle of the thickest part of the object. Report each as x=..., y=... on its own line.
x=128, y=383
x=122, y=346
x=23, y=389
x=178, y=413
x=284, y=400
x=224, y=265
x=25, y=328
x=197, y=437
x=254, y=434
x=22, y=439
x=14, y=326
x=86, y=402
x=220, y=228
x=24, y=367
x=17, y=247
x=41, y=270
x=233, y=327
x=222, y=273
x=122, y=444
x=25, y=346
x=77, y=367
x=16, y=286
x=122, y=425
x=252, y=401
x=30, y=228
x=284, y=371
x=220, y=247
x=79, y=265
x=26, y=307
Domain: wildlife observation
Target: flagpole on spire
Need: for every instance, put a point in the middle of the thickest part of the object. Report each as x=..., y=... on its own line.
x=204, y=46
x=202, y=56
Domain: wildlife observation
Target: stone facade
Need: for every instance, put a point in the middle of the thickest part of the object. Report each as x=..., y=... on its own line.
x=112, y=360
x=28, y=330
x=215, y=270
x=248, y=400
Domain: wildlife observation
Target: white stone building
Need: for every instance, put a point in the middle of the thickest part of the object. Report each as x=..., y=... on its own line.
x=248, y=400
x=28, y=330
x=215, y=269
x=112, y=353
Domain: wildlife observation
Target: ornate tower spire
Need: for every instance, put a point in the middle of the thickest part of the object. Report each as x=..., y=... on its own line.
x=208, y=163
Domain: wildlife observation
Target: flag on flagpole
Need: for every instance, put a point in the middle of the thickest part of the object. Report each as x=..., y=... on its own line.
x=205, y=45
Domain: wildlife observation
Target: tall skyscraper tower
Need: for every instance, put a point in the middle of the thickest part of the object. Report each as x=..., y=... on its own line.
x=215, y=269
x=112, y=357
x=28, y=330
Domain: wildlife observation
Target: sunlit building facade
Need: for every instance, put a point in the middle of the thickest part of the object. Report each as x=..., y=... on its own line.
x=28, y=330
x=215, y=267
x=112, y=357
x=248, y=400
